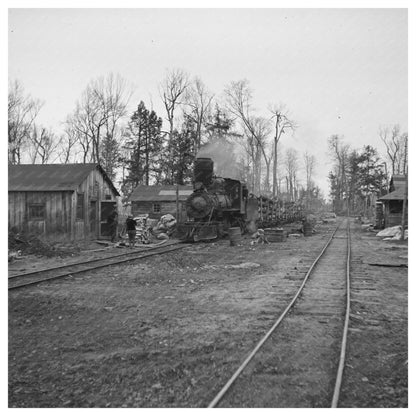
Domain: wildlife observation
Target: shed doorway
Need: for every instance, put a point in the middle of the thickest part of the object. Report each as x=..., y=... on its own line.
x=106, y=210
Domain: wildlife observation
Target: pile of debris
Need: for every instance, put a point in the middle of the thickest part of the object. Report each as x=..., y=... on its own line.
x=327, y=217
x=148, y=230
x=164, y=228
x=25, y=244
x=393, y=233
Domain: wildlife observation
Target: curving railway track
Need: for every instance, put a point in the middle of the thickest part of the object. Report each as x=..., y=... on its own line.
x=30, y=278
x=171, y=332
x=288, y=366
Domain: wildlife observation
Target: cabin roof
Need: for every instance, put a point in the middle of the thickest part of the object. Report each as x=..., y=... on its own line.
x=397, y=194
x=143, y=193
x=397, y=181
x=52, y=177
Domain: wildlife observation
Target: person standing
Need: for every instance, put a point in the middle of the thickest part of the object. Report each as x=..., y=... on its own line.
x=131, y=230
x=112, y=221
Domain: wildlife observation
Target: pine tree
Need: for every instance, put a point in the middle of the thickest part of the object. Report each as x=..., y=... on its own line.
x=144, y=142
x=110, y=155
x=353, y=174
x=371, y=176
x=182, y=152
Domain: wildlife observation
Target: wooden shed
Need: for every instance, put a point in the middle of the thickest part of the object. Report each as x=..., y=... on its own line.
x=70, y=201
x=393, y=202
x=160, y=200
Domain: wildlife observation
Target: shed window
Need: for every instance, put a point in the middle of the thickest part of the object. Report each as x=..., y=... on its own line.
x=80, y=206
x=37, y=212
x=156, y=207
x=108, y=197
x=396, y=207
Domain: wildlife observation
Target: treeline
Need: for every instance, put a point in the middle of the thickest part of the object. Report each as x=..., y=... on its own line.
x=144, y=148
x=359, y=177
x=149, y=148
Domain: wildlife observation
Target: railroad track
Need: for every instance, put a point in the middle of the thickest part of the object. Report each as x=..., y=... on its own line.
x=30, y=278
x=299, y=362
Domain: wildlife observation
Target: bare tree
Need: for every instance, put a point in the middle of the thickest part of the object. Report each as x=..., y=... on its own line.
x=392, y=144
x=402, y=159
x=261, y=131
x=68, y=151
x=292, y=167
x=172, y=91
x=253, y=149
x=97, y=114
x=199, y=100
x=309, y=163
x=281, y=124
x=78, y=132
x=340, y=188
x=280, y=171
x=238, y=98
x=22, y=112
x=43, y=143
x=340, y=154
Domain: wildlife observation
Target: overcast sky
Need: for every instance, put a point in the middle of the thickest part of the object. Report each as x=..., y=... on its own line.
x=338, y=71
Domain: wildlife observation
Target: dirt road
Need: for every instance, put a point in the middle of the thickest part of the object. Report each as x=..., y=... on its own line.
x=168, y=332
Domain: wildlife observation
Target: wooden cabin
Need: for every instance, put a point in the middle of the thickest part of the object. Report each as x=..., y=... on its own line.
x=56, y=201
x=160, y=200
x=393, y=202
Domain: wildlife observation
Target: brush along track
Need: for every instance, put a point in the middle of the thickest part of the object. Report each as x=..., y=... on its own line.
x=301, y=364
x=38, y=276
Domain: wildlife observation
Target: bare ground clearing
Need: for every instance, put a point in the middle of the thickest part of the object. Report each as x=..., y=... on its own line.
x=169, y=331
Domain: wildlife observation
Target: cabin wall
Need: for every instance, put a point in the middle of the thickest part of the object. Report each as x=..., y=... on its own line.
x=57, y=211
x=60, y=217
x=95, y=190
x=394, y=213
x=166, y=207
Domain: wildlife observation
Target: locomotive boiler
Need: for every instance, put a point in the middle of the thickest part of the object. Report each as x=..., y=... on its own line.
x=215, y=204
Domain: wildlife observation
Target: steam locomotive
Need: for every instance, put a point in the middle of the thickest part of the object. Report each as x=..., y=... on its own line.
x=217, y=204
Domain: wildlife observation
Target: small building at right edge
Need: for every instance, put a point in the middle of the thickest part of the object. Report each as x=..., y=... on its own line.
x=390, y=206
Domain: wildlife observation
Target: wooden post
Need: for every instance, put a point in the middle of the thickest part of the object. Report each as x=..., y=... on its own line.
x=73, y=214
x=177, y=202
x=404, y=208
x=405, y=191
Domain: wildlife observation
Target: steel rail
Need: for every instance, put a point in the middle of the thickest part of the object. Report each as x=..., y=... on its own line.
x=48, y=269
x=230, y=382
x=341, y=364
x=86, y=269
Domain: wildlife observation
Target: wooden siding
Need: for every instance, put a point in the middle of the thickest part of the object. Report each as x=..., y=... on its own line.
x=60, y=210
x=17, y=209
x=394, y=218
x=94, y=188
x=142, y=208
x=57, y=212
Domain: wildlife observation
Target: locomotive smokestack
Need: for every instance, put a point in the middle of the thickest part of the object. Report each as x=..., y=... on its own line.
x=203, y=170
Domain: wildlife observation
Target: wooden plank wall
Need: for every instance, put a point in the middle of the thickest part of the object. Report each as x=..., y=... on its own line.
x=395, y=218
x=60, y=206
x=95, y=188
x=166, y=207
x=57, y=209
x=17, y=209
